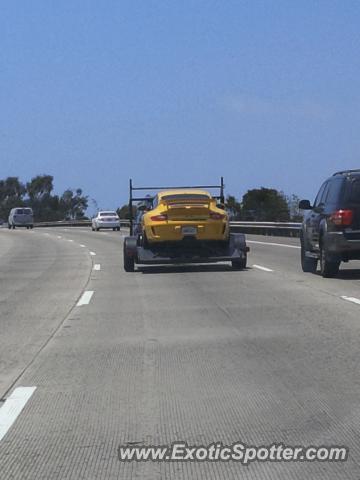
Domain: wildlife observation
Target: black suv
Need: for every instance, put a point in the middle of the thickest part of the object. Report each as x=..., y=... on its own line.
x=331, y=229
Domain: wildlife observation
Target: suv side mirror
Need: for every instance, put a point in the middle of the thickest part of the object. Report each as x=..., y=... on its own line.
x=305, y=205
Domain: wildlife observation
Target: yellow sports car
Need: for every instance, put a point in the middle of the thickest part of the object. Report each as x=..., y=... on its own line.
x=184, y=214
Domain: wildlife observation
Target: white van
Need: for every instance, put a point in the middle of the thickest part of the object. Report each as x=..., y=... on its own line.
x=21, y=217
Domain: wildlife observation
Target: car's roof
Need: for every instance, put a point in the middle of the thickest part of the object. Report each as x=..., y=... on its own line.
x=183, y=191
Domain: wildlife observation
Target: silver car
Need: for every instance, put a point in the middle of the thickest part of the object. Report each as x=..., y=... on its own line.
x=105, y=219
x=21, y=217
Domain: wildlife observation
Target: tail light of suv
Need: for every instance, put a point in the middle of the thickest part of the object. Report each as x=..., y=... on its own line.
x=342, y=218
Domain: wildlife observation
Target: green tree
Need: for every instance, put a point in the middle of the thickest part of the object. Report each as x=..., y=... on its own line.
x=12, y=193
x=73, y=204
x=41, y=201
x=265, y=204
x=40, y=187
x=124, y=211
x=233, y=207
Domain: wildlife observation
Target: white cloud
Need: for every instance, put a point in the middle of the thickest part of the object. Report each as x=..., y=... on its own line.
x=256, y=106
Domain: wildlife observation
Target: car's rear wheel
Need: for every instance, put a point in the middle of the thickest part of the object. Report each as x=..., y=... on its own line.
x=328, y=267
x=308, y=264
x=97, y=229
x=118, y=229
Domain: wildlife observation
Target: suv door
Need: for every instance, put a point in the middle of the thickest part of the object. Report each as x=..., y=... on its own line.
x=314, y=217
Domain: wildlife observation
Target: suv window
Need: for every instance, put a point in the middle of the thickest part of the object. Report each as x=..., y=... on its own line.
x=355, y=191
x=334, y=191
x=320, y=195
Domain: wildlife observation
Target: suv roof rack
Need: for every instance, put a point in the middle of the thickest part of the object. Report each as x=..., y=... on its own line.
x=345, y=172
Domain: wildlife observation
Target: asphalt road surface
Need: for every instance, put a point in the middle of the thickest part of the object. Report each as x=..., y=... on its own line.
x=200, y=354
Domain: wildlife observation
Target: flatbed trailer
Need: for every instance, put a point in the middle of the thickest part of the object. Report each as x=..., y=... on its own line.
x=187, y=251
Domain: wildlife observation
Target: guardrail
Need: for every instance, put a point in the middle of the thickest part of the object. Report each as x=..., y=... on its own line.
x=281, y=229
x=73, y=223
x=285, y=229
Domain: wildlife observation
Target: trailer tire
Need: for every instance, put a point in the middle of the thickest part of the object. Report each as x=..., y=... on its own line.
x=128, y=256
x=239, y=264
x=129, y=263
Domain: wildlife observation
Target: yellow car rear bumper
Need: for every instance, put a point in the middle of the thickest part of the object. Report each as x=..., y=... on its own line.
x=177, y=231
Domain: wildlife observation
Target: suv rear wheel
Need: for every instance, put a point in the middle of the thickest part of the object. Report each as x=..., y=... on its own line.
x=328, y=267
x=308, y=264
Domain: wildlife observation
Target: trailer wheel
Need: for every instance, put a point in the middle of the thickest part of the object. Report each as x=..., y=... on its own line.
x=129, y=261
x=239, y=264
x=129, y=264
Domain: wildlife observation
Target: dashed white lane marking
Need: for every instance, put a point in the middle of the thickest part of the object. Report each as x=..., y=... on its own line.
x=48, y=234
x=92, y=253
x=13, y=406
x=59, y=236
x=351, y=299
x=97, y=266
x=85, y=298
x=82, y=246
x=264, y=269
x=275, y=244
x=70, y=240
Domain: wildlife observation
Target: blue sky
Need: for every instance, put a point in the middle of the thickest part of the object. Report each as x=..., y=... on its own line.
x=265, y=93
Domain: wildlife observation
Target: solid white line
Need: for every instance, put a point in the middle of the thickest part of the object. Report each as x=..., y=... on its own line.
x=272, y=243
x=97, y=266
x=85, y=298
x=13, y=406
x=265, y=269
x=92, y=253
x=351, y=299
x=82, y=246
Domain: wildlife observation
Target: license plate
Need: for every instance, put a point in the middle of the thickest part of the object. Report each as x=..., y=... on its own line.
x=189, y=230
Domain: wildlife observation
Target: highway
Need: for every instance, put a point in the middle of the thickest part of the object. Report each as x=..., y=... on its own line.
x=200, y=354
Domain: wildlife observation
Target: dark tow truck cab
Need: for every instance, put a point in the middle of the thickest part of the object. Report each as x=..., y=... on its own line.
x=331, y=229
x=188, y=226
